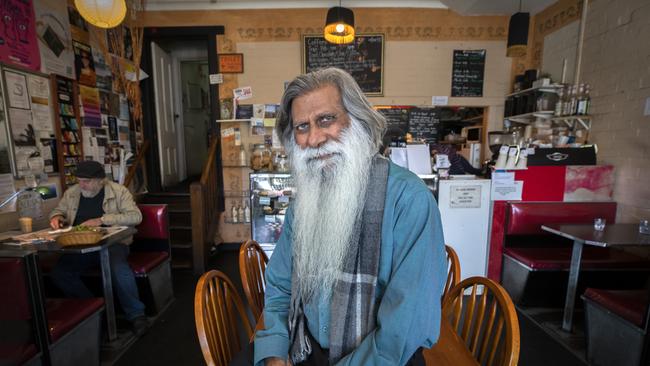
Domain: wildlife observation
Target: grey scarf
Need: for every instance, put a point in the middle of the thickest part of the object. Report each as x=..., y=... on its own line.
x=352, y=313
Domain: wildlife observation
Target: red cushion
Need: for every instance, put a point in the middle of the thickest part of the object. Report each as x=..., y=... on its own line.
x=155, y=222
x=14, y=300
x=65, y=314
x=628, y=304
x=526, y=218
x=143, y=262
x=560, y=258
x=14, y=354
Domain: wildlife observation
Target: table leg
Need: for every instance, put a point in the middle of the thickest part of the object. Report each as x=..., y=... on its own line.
x=108, y=293
x=574, y=271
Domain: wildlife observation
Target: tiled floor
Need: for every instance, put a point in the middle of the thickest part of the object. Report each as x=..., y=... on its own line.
x=172, y=339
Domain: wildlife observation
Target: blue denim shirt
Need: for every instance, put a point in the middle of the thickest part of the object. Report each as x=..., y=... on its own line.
x=412, y=274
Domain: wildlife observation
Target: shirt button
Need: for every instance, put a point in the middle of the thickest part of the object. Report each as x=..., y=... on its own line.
x=324, y=329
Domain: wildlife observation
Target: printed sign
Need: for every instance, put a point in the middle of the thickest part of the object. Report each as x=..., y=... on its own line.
x=465, y=196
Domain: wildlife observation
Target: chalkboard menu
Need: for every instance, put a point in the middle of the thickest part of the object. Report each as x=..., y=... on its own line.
x=468, y=72
x=424, y=124
x=397, y=117
x=363, y=59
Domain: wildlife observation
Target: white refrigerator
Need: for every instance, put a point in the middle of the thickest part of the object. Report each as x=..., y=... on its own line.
x=465, y=211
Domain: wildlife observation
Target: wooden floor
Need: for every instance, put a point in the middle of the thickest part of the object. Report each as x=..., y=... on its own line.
x=172, y=339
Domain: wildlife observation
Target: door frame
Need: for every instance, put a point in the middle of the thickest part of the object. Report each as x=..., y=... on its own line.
x=158, y=34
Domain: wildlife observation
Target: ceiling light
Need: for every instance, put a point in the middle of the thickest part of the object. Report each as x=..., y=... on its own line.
x=518, y=34
x=339, y=25
x=102, y=13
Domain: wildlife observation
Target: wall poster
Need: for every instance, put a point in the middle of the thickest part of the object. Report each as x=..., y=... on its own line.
x=54, y=37
x=18, y=45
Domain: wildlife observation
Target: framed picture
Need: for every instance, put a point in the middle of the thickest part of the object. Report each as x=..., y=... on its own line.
x=231, y=63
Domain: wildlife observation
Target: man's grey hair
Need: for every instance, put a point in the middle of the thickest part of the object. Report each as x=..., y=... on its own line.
x=353, y=100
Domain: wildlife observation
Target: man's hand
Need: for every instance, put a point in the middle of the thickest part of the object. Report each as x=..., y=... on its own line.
x=56, y=222
x=276, y=361
x=92, y=222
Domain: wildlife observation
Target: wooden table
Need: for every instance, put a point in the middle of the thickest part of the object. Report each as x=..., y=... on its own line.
x=614, y=235
x=449, y=351
x=115, y=235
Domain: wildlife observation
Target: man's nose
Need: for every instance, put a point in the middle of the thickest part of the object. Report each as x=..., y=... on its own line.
x=316, y=137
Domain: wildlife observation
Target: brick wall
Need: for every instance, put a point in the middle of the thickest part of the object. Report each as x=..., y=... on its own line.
x=616, y=62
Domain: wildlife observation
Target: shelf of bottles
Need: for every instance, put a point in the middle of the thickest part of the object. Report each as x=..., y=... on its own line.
x=238, y=209
x=558, y=102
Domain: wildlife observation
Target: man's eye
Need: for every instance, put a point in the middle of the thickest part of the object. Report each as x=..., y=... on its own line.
x=301, y=127
x=326, y=120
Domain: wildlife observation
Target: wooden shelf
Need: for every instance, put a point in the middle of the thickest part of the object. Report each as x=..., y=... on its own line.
x=232, y=120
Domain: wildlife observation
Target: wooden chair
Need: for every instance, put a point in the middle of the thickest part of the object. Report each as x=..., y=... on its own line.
x=453, y=270
x=481, y=318
x=220, y=316
x=252, y=264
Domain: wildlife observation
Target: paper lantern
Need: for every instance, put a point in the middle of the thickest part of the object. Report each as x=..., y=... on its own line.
x=102, y=13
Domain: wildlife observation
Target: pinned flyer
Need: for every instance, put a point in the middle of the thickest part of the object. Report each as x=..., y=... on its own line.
x=216, y=79
x=243, y=93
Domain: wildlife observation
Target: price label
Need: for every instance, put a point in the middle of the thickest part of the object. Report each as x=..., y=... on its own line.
x=265, y=201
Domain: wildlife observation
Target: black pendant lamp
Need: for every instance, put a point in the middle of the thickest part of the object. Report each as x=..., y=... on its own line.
x=339, y=25
x=518, y=34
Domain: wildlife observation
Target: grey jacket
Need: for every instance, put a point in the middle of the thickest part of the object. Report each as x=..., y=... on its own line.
x=119, y=206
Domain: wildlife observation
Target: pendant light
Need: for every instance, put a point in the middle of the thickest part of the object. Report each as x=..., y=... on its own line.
x=518, y=34
x=339, y=25
x=102, y=13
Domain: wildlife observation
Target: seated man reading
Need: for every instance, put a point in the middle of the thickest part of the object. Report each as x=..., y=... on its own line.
x=96, y=201
x=358, y=272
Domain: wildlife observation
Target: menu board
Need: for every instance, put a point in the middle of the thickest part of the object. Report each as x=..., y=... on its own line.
x=363, y=59
x=467, y=74
x=397, y=117
x=424, y=124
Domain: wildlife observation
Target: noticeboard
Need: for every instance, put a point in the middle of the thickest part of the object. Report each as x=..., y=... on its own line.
x=468, y=73
x=363, y=59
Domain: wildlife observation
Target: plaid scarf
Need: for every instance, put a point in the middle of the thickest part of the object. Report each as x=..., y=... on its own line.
x=352, y=307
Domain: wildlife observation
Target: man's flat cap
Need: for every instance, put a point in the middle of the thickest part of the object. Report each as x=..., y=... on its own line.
x=90, y=169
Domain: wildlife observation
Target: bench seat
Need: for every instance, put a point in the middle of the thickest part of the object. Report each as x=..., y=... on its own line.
x=559, y=259
x=631, y=305
x=144, y=262
x=616, y=327
x=64, y=314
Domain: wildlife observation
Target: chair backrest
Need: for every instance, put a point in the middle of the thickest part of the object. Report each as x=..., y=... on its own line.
x=252, y=265
x=485, y=319
x=453, y=270
x=219, y=315
x=153, y=231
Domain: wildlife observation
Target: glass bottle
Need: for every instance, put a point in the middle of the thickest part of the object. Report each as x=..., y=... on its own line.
x=583, y=103
x=240, y=214
x=234, y=213
x=243, y=161
x=559, y=106
x=247, y=212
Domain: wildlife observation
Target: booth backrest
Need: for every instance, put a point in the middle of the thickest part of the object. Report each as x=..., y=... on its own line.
x=155, y=222
x=153, y=231
x=526, y=218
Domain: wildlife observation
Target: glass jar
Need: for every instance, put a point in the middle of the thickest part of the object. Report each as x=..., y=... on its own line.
x=261, y=158
x=282, y=165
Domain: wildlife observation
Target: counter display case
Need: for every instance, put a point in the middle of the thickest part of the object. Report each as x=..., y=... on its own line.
x=270, y=195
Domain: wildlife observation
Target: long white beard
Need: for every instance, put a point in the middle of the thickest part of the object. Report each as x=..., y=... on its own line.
x=329, y=201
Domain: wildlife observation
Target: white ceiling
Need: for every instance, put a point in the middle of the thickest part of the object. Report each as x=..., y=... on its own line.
x=464, y=7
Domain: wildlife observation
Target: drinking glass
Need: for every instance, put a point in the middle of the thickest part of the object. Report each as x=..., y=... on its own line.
x=644, y=227
x=599, y=224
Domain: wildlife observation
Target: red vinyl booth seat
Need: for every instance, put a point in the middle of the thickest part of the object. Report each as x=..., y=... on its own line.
x=630, y=305
x=65, y=314
x=155, y=222
x=559, y=259
x=144, y=262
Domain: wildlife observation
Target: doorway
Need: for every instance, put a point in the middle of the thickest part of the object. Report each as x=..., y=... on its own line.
x=189, y=48
x=181, y=93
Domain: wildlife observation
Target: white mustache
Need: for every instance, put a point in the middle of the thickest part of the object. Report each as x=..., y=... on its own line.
x=330, y=148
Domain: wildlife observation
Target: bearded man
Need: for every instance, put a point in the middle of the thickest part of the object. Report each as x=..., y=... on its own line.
x=357, y=275
x=96, y=201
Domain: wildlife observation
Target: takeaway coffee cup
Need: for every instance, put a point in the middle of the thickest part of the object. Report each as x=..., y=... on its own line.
x=25, y=224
